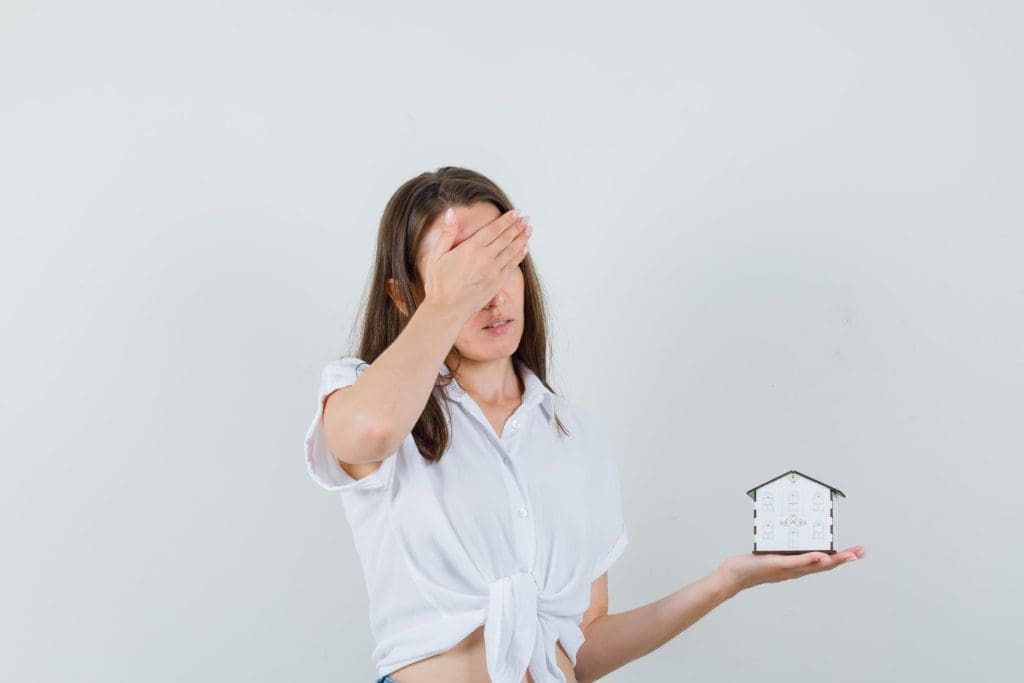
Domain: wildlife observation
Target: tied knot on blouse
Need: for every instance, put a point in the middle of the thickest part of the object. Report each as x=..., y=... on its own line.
x=508, y=529
x=522, y=627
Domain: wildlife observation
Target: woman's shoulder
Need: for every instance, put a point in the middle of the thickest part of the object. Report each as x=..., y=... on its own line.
x=353, y=362
x=346, y=368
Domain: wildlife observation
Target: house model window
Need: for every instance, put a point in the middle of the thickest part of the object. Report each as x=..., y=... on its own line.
x=808, y=514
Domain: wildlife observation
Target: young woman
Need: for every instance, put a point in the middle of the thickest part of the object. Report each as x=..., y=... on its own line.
x=484, y=507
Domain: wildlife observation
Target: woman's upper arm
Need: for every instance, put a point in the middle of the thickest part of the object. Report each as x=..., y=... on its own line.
x=346, y=437
x=326, y=468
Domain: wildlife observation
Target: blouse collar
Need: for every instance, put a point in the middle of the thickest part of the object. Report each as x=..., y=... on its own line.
x=534, y=391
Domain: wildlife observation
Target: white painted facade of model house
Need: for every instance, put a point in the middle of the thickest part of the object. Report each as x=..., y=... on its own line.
x=794, y=513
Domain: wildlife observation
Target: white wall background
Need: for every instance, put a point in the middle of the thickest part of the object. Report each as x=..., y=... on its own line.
x=789, y=233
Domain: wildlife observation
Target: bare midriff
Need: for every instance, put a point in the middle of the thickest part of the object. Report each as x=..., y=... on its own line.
x=466, y=663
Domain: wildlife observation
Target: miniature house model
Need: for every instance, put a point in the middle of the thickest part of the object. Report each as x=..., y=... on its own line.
x=794, y=513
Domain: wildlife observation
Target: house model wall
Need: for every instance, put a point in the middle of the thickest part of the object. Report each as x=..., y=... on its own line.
x=794, y=513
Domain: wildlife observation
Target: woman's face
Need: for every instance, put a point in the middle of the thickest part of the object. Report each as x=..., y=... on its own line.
x=474, y=342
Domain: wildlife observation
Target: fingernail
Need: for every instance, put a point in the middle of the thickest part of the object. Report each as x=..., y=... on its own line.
x=449, y=216
x=515, y=212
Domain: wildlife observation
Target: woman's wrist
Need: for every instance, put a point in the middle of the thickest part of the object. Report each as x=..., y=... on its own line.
x=724, y=582
x=445, y=315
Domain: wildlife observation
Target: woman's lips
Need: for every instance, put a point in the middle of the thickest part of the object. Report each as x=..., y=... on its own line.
x=500, y=329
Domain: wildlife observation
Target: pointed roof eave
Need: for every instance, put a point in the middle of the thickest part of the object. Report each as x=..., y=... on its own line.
x=829, y=486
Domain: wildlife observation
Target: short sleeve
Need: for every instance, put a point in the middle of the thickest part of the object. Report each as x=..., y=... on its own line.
x=608, y=537
x=323, y=467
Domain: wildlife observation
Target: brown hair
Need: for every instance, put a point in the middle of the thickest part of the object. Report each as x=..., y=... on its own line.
x=414, y=206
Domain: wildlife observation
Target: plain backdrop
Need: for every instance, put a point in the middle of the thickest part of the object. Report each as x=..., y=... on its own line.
x=773, y=235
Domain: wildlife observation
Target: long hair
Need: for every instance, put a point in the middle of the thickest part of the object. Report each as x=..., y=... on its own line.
x=413, y=207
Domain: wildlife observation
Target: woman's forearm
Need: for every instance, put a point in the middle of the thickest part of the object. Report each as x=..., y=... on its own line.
x=613, y=640
x=389, y=397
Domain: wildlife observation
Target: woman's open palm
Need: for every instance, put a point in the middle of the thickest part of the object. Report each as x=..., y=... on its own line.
x=748, y=570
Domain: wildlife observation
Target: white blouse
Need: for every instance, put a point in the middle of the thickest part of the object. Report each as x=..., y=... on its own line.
x=507, y=531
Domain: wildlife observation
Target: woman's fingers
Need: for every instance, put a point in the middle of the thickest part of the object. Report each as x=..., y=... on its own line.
x=490, y=234
x=517, y=249
x=825, y=561
x=801, y=562
x=448, y=233
x=514, y=240
x=819, y=561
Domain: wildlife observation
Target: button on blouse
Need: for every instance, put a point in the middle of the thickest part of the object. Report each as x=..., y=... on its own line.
x=508, y=531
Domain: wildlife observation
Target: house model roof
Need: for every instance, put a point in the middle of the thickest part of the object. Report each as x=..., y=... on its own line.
x=833, y=488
